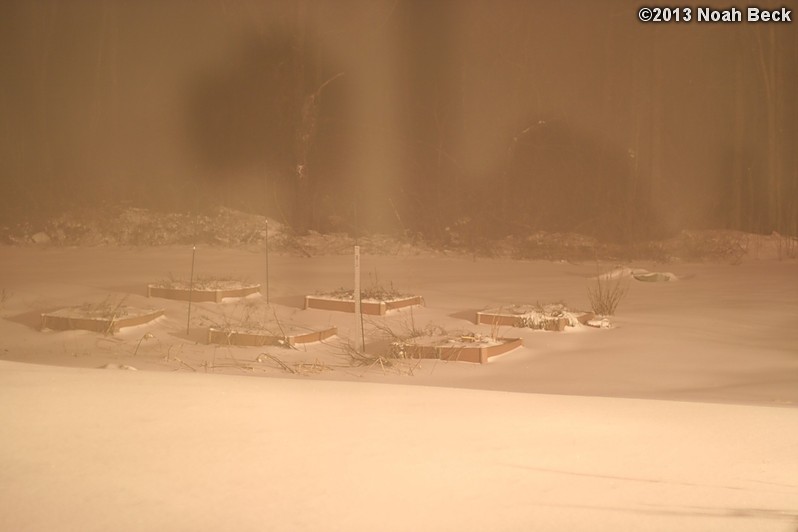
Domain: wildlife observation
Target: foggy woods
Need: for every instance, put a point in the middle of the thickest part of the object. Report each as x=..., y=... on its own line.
x=401, y=116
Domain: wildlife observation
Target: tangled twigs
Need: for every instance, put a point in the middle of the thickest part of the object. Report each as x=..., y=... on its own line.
x=276, y=360
x=300, y=368
x=184, y=364
x=396, y=359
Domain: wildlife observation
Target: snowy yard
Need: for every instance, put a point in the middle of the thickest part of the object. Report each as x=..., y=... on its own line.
x=680, y=417
x=383, y=265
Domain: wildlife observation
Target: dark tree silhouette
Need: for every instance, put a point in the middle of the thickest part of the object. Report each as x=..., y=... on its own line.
x=271, y=115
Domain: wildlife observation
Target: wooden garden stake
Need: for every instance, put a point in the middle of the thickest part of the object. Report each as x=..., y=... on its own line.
x=191, y=288
x=358, y=313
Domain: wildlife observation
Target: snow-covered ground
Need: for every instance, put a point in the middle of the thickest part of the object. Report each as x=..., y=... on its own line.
x=121, y=450
x=680, y=417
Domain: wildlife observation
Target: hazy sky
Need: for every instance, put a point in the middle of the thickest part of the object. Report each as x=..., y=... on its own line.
x=170, y=101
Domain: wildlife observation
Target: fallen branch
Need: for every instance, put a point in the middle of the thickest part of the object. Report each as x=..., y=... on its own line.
x=184, y=364
x=279, y=362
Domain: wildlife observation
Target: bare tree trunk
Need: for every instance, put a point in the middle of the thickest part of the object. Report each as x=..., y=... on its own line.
x=739, y=163
x=653, y=187
x=767, y=63
x=53, y=188
x=308, y=106
x=300, y=215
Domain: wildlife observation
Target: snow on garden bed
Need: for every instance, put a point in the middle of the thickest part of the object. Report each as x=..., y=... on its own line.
x=100, y=318
x=550, y=317
x=203, y=289
x=254, y=336
x=374, y=301
x=463, y=348
x=638, y=274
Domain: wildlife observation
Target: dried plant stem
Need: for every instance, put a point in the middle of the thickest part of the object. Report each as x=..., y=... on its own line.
x=606, y=294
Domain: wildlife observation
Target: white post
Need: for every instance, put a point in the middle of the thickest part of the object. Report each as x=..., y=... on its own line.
x=358, y=315
x=267, y=263
x=191, y=289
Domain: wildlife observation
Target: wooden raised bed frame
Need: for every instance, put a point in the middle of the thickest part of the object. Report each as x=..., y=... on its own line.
x=478, y=354
x=497, y=318
x=199, y=296
x=232, y=337
x=371, y=308
x=103, y=325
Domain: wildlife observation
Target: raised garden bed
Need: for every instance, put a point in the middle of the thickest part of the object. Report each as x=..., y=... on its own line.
x=98, y=319
x=369, y=307
x=209, y=289
x=258, y=338
x=458, y=348
x=373, y=301
x=654, y=277
x=554, y=317
x=639, y=274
